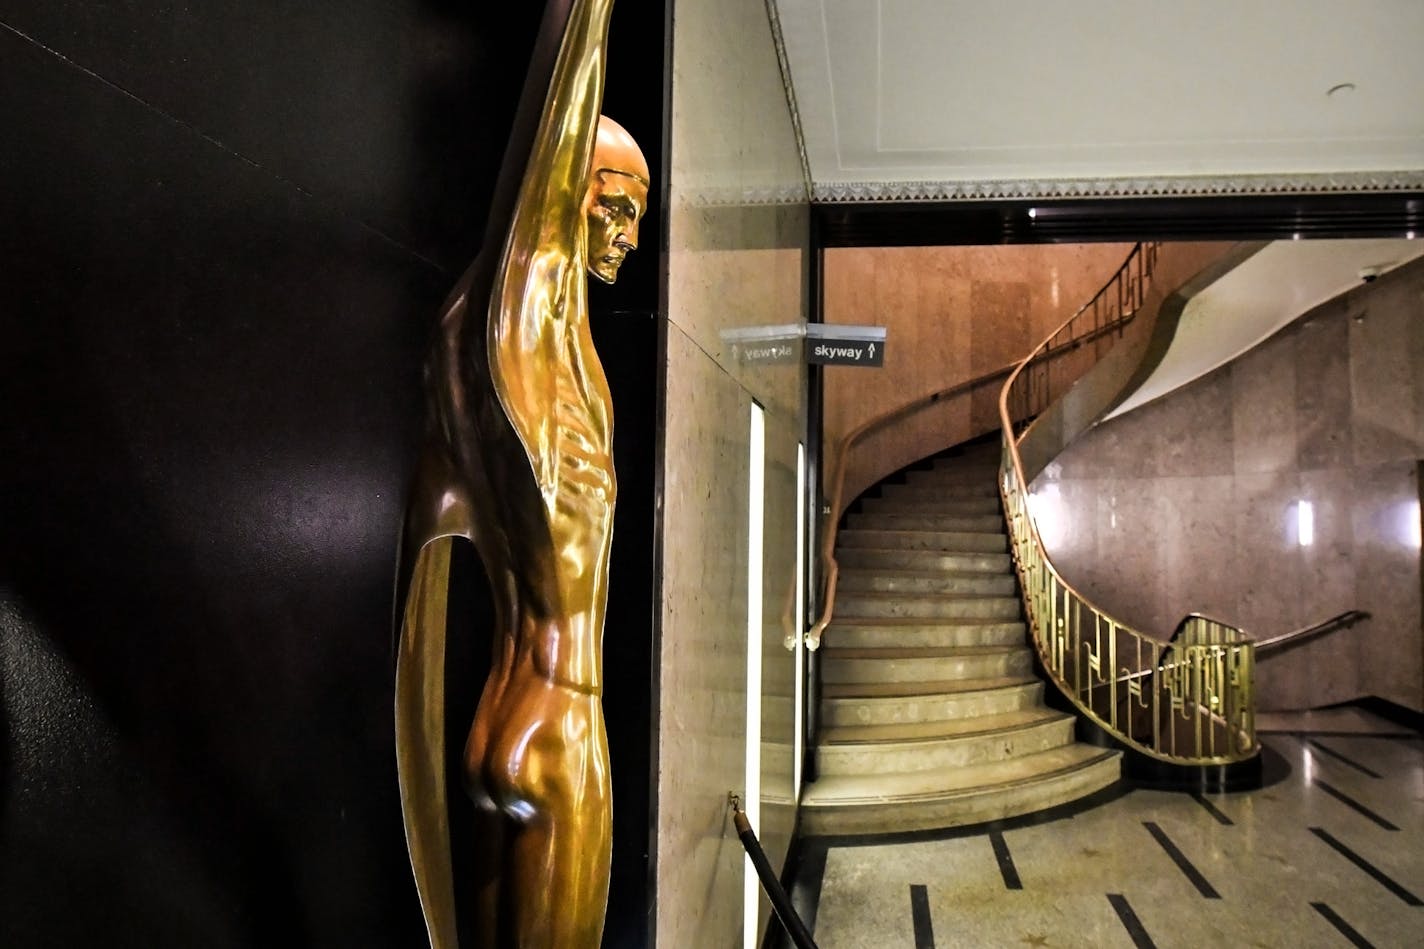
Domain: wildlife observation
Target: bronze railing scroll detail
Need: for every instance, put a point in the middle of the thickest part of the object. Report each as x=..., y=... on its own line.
x=518, y=459
x=1189, y=702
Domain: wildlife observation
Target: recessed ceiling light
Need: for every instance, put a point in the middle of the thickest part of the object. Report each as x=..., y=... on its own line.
x=1340, y=87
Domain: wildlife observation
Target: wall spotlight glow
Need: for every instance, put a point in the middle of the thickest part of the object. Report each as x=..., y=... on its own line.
x=1304, y=523
x=1409, y=526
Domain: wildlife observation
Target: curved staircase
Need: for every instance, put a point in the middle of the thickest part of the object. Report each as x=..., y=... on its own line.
x=931, y=714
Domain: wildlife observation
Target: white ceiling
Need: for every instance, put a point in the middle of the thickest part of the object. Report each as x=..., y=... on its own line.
x=1277, y=284
x=950, y=95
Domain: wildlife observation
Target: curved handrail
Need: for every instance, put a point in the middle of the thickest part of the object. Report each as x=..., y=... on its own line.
x=1203, y=698
x=1339, y=621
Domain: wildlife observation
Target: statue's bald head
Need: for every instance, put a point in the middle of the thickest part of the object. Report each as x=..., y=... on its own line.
x=617, y=197
x=615, y=151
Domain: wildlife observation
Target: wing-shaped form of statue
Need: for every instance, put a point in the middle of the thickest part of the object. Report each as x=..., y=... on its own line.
x=518, y=459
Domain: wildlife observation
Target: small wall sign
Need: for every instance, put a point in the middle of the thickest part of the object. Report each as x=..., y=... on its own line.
x=830, y=344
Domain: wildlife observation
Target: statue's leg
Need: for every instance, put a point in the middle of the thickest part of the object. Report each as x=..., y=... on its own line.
x=561, y=856
x=420, y=740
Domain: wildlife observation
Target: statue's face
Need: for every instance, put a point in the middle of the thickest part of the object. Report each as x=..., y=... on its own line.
x=614, y=206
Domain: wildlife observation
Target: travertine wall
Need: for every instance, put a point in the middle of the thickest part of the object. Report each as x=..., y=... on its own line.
x=952, y=313
x=737, y=260
x=1189, y=504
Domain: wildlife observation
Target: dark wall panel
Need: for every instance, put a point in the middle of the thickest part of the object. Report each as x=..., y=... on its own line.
x=225, y=230
x=392, y=111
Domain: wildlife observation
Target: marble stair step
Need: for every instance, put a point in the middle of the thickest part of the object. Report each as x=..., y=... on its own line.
x=974, y=523
x=929, y=702
x=989, y=542
x=859, y=579
x=863, y=604
x=923, y=664
x=963, y=507
x=988, y=457
x=934, y=745
x=899, y=632
x=935, y=492
x=895, y=802
x=932, y=731
x=975, y=473
x=924, y=560
x=913, y=688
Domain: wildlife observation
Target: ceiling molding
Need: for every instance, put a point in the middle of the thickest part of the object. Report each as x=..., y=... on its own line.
x=789, y=87
x=1236, y=216
x=1017, y=190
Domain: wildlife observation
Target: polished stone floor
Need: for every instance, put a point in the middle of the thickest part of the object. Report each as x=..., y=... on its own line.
x=1332, y=854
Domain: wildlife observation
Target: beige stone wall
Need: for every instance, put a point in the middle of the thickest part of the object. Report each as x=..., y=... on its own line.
x=737, y=261
x=951, y=314
x=1188, y=504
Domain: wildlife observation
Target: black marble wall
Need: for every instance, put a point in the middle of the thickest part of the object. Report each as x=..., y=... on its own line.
x=225, y=229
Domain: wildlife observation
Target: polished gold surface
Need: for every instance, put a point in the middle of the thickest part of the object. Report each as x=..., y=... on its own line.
x=518, y=460
x=420, y=737
x=1191, y=701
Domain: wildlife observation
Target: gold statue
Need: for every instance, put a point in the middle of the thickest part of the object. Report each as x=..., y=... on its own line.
x=518, y=459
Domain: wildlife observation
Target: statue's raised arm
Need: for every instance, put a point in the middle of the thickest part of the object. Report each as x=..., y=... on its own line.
x=542, y=263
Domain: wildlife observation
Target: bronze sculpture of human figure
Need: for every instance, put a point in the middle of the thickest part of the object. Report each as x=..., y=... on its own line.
x=518, y=458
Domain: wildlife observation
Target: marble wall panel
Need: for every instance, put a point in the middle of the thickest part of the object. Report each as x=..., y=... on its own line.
x=1200, y=558
x=702, y=687
x=1002, y=324
x=1122, y=451
x=739, y=217
x=1326, y=669
x=1324, y=434
x=1323, y=412
x=1381, y=379
x=1388, y=581
x=1408, y=296
x=951, y=313
x=1206, y=404
x=1263, y=435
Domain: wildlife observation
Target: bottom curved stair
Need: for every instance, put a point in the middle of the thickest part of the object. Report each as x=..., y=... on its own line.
x=898, y=802
x=931, y=716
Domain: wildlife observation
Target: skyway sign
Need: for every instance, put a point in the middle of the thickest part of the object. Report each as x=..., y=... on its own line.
x=831, y=344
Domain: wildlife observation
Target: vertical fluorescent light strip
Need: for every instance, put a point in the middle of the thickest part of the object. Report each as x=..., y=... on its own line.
x=756, y=501
x=800, y=664
x=1304, y=523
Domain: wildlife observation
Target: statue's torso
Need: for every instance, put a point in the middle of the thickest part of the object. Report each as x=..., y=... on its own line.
x=568, y=438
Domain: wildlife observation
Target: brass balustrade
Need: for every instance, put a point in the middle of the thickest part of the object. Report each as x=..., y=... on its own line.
x=1189, y=702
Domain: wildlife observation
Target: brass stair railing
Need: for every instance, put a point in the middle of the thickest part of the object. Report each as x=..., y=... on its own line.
x=1190, y=703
